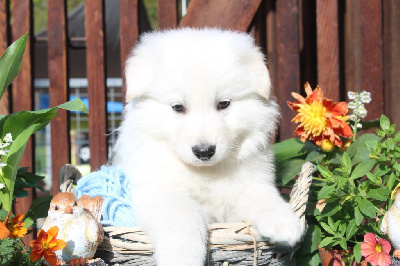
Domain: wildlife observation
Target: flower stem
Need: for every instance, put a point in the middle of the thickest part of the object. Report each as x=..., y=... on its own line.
x=356, y=120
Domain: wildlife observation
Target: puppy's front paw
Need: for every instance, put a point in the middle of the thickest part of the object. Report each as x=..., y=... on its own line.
x=282, y=229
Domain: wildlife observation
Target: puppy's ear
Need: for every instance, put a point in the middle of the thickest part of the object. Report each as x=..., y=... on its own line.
x=262, y=81
x=138, y=73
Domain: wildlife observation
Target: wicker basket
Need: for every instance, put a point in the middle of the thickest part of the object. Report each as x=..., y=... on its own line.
x=229, y=244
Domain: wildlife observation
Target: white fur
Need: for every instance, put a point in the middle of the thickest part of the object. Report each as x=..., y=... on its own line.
x=176, y=194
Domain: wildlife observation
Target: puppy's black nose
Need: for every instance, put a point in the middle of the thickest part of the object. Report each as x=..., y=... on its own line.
x=204, y=152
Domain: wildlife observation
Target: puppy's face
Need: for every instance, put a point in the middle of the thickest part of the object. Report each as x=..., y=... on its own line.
x=207, y=102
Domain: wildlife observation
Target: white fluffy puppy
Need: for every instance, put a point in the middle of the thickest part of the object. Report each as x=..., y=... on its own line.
x=195, y=141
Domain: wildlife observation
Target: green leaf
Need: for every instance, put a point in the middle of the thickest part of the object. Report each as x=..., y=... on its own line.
x=327, y=228
x=374, y=178
x=362, y=169
x=325, y=191
x=384, y=123
x=315, y=156
x=324, y=171
x=331, y=208
x=358, y=216
x=391, y=181
x=39, y=207
x=343, y=244
x=311, y=240
x=291, y=148
x=351, y=229
x=290, y=170
x=361, y=155
x=381, y=169
x=372, y=145
x=360, y=142
x=342, y=228
x=397, y=136
x=366, y=207
x=381, y=194
x=390, y=143
x=74, y=105
x=28, y=222
x=10, y=62
x=326, y=241
x=312, y=259
x=357, y=252
x=346, y=162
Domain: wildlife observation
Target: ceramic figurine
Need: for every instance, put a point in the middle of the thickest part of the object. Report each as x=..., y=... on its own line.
x=79, y=227
x=391, y=222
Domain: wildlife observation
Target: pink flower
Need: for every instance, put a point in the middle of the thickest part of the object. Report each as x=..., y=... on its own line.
x=376, y=250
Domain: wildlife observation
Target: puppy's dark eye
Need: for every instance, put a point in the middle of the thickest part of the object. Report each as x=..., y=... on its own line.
x=179, y=108
x=223, y=105
x=56, y=208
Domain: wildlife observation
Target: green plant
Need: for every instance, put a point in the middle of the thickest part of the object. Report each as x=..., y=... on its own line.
x=15, y=130
x=351, y=189
x=350, y=196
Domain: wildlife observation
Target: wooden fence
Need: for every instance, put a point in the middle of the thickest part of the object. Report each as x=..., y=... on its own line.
x=341, y=45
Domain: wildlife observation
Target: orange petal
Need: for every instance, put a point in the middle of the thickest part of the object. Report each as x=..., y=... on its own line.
x=316, y=96
x=19, y=232
x=36, y=245
x=36, y=255
x=4, y=232
x=50, y=257
x=338, y=109
x=308, y=89
x=17, y=219
x=52, y=233
x=298, y=97
x=8, y=217
x=41, y=235
x=57, y=244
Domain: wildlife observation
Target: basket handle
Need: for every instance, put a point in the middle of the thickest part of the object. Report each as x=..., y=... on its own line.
x=299, y=193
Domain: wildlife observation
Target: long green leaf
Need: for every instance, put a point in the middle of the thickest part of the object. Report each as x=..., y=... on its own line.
x=39, y=207
x=362, y=169
x=366, y=207
x=10, y=62
x=291, y=148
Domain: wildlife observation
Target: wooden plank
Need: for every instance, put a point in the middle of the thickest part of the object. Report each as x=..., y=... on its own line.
x=328, y=48
x=352, y=51
x=167, y=14
x=95, y=68
x=391, y=23
x=308, y=42
x=371, y=55
x=288, y=65
x=4, y=38
x=57, y=65
x=129, y=32
x=226, y=14
x=23, y=91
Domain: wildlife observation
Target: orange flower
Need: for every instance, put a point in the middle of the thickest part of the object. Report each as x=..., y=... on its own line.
x=321, y=120
x=376, y=250
x=45, y=245
x=14, y=228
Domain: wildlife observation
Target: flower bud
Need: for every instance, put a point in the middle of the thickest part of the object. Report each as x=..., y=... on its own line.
x=327, y=145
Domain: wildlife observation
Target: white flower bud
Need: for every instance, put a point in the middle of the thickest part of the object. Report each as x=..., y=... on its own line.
x=359, y=125
x=365, y=97
x=362, y=112
x=352, y=117
x=2, y=164
x=2, y=186
x=3, y=152
x=352, y=105
x=352, y=95
x=8, y=138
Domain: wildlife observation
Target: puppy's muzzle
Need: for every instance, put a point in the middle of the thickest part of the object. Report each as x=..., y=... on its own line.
x=204, y=152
